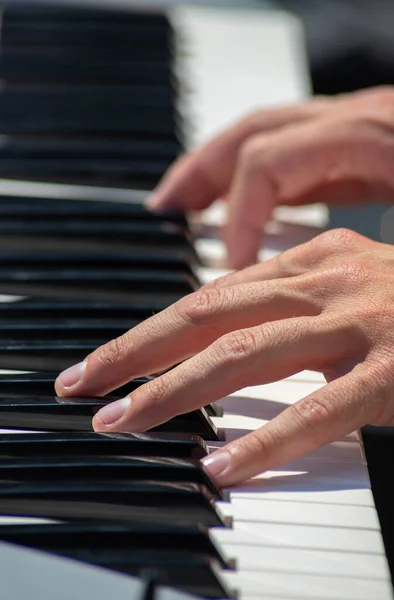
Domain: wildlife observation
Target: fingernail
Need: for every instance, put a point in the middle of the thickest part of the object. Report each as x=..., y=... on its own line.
x=217, y=464
x=114, y=411
x=152, y=202
x=72, y=375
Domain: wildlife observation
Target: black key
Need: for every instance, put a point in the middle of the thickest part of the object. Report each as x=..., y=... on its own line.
x=98, y=242
x=35, y=65
x=45, y=12
x=132, y=537
x=90, y=109
x=98, y=284
x=65, y=329
x=144, y=174
x=35, y=310
x=32, y=208
x=175, y=445
x=141, y=163
x=106, y=468
x=190, y=572
x=150, y=233
x=176, y=262
x=42, y=384
x=91, y=34
x=52, y=413
x=44, y=355
x=150, y=502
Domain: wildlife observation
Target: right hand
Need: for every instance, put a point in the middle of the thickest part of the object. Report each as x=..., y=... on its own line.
x=327, y=305
x=326, y=150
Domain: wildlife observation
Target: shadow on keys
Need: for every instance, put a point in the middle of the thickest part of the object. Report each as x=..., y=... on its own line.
x=334, y=467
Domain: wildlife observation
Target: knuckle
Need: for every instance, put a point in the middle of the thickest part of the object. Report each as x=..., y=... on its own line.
x=250, y=154
x=379, y=98
x=339, y=239
x=115, y=351
x=158, y=389
x=220, y=282
x=258, y=444
x=375, y=388
x=237, y=345
x=202, y=307
x=252, y=122
x=312, y=414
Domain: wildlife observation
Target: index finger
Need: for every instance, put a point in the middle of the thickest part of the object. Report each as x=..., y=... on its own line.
x=180, y=331
x=203, y=175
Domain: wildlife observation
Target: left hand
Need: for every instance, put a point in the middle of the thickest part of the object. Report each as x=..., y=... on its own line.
x=327, y=305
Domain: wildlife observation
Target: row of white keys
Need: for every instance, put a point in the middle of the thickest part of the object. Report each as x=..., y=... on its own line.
x=308, y=530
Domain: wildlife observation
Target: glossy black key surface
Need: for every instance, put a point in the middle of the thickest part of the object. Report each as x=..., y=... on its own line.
x=98, y=284
x=34, y=64
x=14, y=237
x=144, y=174
x=107, y=468
x=176, y=262
x=131, y=537
x=42, y=383
x=91, y=109
x=176, y=445
x=46, y=12
x=179, y=504
x=191, y=572
x=44, y=355
x=28, y=310
x=52, y=413
x=65, y=329
x=154, y=233
x=88, y=34
x=67, y=574
x=32, y=208
x=141, y=163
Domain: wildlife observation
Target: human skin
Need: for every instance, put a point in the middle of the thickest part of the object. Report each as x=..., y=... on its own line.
x=327, y=150
x=327, y=305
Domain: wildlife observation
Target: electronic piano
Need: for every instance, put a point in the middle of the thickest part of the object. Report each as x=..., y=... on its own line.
x=89, y=121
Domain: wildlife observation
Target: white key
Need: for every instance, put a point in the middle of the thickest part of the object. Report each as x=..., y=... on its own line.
x=299, y=513
x=299, y=536
x=305, y=587
x=320, y=562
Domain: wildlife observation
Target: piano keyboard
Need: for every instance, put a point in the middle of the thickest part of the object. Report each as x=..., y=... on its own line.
x=305, y=531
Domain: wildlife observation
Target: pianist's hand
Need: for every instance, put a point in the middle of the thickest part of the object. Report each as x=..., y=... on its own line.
x=327, y=150
x=327, y=305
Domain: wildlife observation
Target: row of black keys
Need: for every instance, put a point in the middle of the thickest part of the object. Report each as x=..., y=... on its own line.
x=99, y=259
x=124, y=501
x=99, y=250
x=44, y=24
x=64, y=44
x=27, y=401
x=87, y=96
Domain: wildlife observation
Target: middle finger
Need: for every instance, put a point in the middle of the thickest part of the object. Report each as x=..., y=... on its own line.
x=186, y=328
